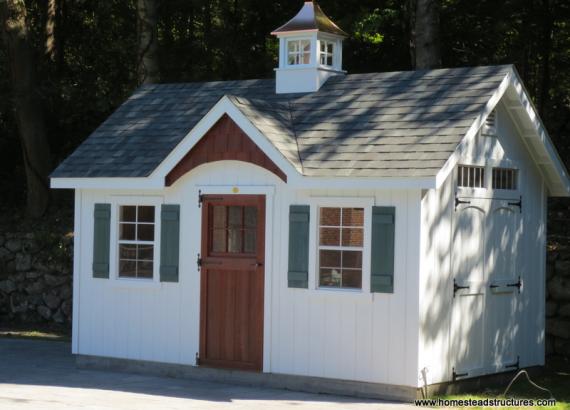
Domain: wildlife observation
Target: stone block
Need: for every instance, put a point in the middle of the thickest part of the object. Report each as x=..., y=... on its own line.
x=562, y=267
x=562, y=347
x=13, y=245
x=23, y=262
x=36, y=287
x=7, y=286
x=564, y=311
x=559, y=288
x=559, y=328
x=44, y=312
x=53, y=280
x=551, y=308
x=51, y=300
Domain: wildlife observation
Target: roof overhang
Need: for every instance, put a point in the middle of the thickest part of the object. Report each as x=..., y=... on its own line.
x=531, y=129
x=295, y=179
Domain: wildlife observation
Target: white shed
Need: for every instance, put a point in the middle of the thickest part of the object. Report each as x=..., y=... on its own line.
x=367, y=233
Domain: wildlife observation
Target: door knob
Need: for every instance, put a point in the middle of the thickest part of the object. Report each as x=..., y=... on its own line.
x=258, y=264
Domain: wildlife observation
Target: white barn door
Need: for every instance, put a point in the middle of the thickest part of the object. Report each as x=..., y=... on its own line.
x=504, y=229
x=484, y=318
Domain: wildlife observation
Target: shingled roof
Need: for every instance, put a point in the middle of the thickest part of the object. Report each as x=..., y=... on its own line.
x=404, y=124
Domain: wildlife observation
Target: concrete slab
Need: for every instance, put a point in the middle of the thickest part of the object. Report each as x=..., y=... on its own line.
x=40, y=374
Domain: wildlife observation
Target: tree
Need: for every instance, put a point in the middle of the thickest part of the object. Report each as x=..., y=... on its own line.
x=147, y=64
x=427, y=41
x=27, y=104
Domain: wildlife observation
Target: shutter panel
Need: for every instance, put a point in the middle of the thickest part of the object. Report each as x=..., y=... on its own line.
x=298, y=272
x=169, y=242
x=382, y=266
x=101, y=240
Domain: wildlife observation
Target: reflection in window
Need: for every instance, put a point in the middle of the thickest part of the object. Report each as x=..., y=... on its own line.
x=341, y=241
x=136, y=241
x=234, y=229
x=298, y=52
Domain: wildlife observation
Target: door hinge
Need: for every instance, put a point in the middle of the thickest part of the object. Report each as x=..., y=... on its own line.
x=197, y=359
x=456, y=287
x=518, y=203
x=459, y=201
x=199, y=262
x=200, y=198
x=516, y=285
x=515, y=365
x=456, y=375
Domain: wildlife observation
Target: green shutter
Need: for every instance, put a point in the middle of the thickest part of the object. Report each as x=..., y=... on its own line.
x=298, y=272
x=382, y=266
x=101, y=240
x=169, y=243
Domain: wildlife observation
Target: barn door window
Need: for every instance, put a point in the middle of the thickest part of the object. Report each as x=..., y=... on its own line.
x=505, y=178
x=136, y=241
x=234, y=229
x=470, y=176
x=341, y=244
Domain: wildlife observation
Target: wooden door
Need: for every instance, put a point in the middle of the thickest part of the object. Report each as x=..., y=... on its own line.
x=232, y=281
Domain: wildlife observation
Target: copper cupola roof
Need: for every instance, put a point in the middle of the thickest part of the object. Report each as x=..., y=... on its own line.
x=310, y=18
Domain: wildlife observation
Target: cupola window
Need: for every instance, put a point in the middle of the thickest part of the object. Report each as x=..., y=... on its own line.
x=326, y=53
x=298, y=52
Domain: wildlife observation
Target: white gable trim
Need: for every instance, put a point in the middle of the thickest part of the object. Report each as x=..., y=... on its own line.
x=473, y=130
x=558, y=180
x=224, y=106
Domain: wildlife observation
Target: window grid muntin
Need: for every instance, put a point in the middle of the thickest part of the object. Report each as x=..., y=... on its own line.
x=326, y=53
x=300, y=53
x=137, y=243
x=340, y=248
x=470, y=176
x=505, y=178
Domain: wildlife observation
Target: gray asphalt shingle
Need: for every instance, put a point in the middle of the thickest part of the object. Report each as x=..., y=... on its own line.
x=401, y=124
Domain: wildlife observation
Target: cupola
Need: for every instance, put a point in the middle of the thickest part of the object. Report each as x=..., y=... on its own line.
x=310, y=51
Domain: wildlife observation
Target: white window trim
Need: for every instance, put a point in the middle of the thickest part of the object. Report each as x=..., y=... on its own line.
x=339, y=202
x=326, y=54
x=132, y=200
x=298, y=40
x=487, y=191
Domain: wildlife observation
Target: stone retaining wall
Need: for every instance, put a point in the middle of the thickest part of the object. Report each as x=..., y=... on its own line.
x=35, y=277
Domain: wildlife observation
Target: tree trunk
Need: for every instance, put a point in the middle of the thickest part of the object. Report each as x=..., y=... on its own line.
x=148, y=71
x=27, y=104
x=427, y=35
x=51, y=15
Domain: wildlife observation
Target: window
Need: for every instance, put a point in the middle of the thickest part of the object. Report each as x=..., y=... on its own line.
x=326, y=52
x=470, y=177
x=298, y=52
x=341, y=242
x=136, y=241
x=233, y=229
x=505, y=178
x=490, y=126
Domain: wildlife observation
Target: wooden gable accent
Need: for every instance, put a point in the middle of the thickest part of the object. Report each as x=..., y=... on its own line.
x=224, y=141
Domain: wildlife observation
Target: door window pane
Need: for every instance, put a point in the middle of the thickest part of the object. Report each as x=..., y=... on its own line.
x=234, y=229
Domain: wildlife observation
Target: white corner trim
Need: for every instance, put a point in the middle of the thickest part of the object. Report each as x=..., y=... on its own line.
x=224, y=106
x=473, y=130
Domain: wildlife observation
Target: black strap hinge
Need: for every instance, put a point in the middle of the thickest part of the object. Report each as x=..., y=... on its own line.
x=456, y=287
x=200, y=198
x=197, y=359
x=199, y=262
x=518, y=203
x=515, y=365
x=459, y=201
x=456, y=375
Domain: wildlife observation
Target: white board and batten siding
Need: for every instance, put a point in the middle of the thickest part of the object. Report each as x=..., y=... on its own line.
x=507, y=148
x=324, y=333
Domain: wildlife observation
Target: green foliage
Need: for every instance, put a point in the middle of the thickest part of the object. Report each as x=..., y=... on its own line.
x=94, y=66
